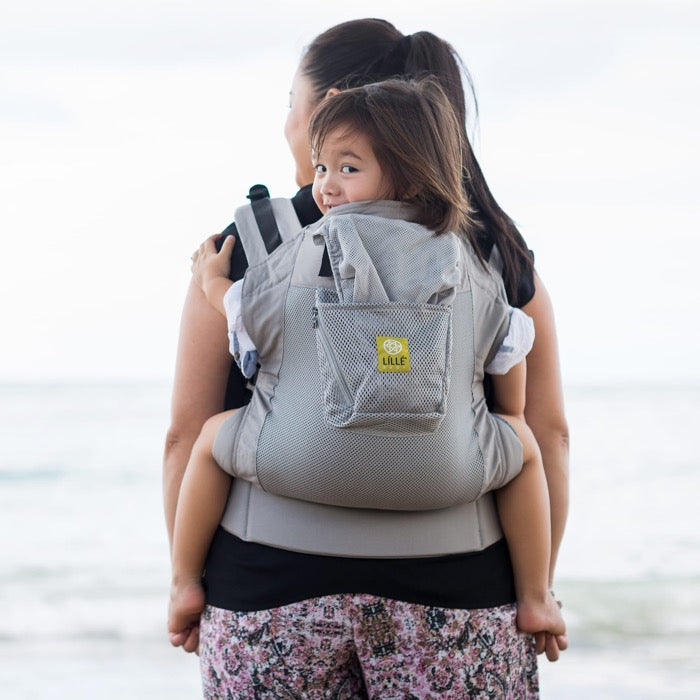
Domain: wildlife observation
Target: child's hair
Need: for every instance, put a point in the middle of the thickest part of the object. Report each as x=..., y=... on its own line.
x=415, y=136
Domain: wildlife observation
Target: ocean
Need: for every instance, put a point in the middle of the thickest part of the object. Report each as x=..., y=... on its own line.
x=84, y=566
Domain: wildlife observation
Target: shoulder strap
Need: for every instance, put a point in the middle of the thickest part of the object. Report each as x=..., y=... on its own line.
x=265, y=223
x=259, y=197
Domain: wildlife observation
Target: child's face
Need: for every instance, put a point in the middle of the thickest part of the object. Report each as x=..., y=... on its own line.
x=347, y=171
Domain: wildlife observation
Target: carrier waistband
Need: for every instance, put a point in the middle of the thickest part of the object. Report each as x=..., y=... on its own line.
x=301, y=526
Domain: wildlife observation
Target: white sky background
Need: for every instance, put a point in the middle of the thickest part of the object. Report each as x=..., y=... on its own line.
x=129, y=131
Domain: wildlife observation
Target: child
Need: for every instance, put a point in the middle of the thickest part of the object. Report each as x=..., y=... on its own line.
x=353, y=165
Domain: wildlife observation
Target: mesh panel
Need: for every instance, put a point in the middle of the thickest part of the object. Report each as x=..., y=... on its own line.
x=362, y=386
x=401, y=279
x=301, y=456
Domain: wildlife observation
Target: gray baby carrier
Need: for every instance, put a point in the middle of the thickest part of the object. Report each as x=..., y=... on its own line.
x=372, y=334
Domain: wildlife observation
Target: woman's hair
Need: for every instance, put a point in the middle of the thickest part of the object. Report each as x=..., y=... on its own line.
x=416, y=138
x=371, y=50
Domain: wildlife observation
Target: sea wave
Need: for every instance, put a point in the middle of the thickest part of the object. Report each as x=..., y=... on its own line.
x=36, y=474
x=85, y=555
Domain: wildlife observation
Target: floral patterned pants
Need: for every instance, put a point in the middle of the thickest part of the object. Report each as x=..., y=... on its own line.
x=363, y=646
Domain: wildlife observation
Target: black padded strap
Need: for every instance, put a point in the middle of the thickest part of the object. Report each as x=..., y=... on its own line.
x=326, y=269
x=259, y=197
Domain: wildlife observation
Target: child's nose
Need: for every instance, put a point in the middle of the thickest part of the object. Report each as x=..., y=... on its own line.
x=329, y=185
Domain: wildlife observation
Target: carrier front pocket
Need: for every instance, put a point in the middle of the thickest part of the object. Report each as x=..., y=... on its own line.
x=384, y=367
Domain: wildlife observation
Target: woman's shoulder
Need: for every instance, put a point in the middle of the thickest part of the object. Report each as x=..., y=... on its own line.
x=305, y=206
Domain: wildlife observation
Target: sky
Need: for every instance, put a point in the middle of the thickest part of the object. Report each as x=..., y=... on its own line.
x=130, y=131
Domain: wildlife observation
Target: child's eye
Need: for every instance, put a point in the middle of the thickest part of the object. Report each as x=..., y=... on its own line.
x=348, y=169
x=320, y=168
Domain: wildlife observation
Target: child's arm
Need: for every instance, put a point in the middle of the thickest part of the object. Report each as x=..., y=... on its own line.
x=507, y=367
x=509, y=390
x=211, y=270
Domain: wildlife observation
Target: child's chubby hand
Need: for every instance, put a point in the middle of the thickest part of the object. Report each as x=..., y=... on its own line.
x=208, y=263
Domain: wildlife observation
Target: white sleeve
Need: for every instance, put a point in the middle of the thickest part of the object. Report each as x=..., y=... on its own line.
x=239, y=340
x=516, y=345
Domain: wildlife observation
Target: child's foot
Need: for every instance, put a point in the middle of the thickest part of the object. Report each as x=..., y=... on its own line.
x=540, y=615
x=186, y=606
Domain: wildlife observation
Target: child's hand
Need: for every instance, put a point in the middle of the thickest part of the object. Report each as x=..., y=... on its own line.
x=186, y=605
x=208, y=264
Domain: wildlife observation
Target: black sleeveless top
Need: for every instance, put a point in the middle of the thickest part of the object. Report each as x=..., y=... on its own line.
x=247, y=576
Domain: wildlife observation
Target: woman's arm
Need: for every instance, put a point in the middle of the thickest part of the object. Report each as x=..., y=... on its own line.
x=544, y=410
x=201, y=373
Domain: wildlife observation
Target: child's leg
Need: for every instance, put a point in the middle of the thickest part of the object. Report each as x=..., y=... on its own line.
x=523, y=508
x=200, y=505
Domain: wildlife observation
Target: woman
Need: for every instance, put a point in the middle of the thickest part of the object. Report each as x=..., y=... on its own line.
x=274, y=596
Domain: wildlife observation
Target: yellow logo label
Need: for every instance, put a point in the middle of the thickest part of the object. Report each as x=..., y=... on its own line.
x=392, y=354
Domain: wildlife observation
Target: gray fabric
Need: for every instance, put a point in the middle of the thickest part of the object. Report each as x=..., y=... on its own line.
x=266, y=282
x=384, y=335
x=374, y=259
x=308, y=459
x=343, y=492
x=385, y=368
x=255, y=515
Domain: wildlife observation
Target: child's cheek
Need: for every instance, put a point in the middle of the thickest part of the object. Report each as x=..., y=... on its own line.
x=316, y=192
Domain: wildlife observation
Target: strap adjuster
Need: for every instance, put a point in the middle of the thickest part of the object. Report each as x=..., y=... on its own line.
x=257, y=192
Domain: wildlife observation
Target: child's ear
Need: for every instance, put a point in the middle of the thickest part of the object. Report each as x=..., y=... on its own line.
x=332, y=91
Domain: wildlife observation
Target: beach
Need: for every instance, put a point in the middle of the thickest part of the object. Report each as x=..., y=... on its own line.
x=84, y=572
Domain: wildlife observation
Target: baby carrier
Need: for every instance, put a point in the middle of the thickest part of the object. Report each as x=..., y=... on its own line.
x=372, y=334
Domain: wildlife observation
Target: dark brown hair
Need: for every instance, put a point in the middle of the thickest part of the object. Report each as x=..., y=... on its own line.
x=416, y=138
x=370, y=50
